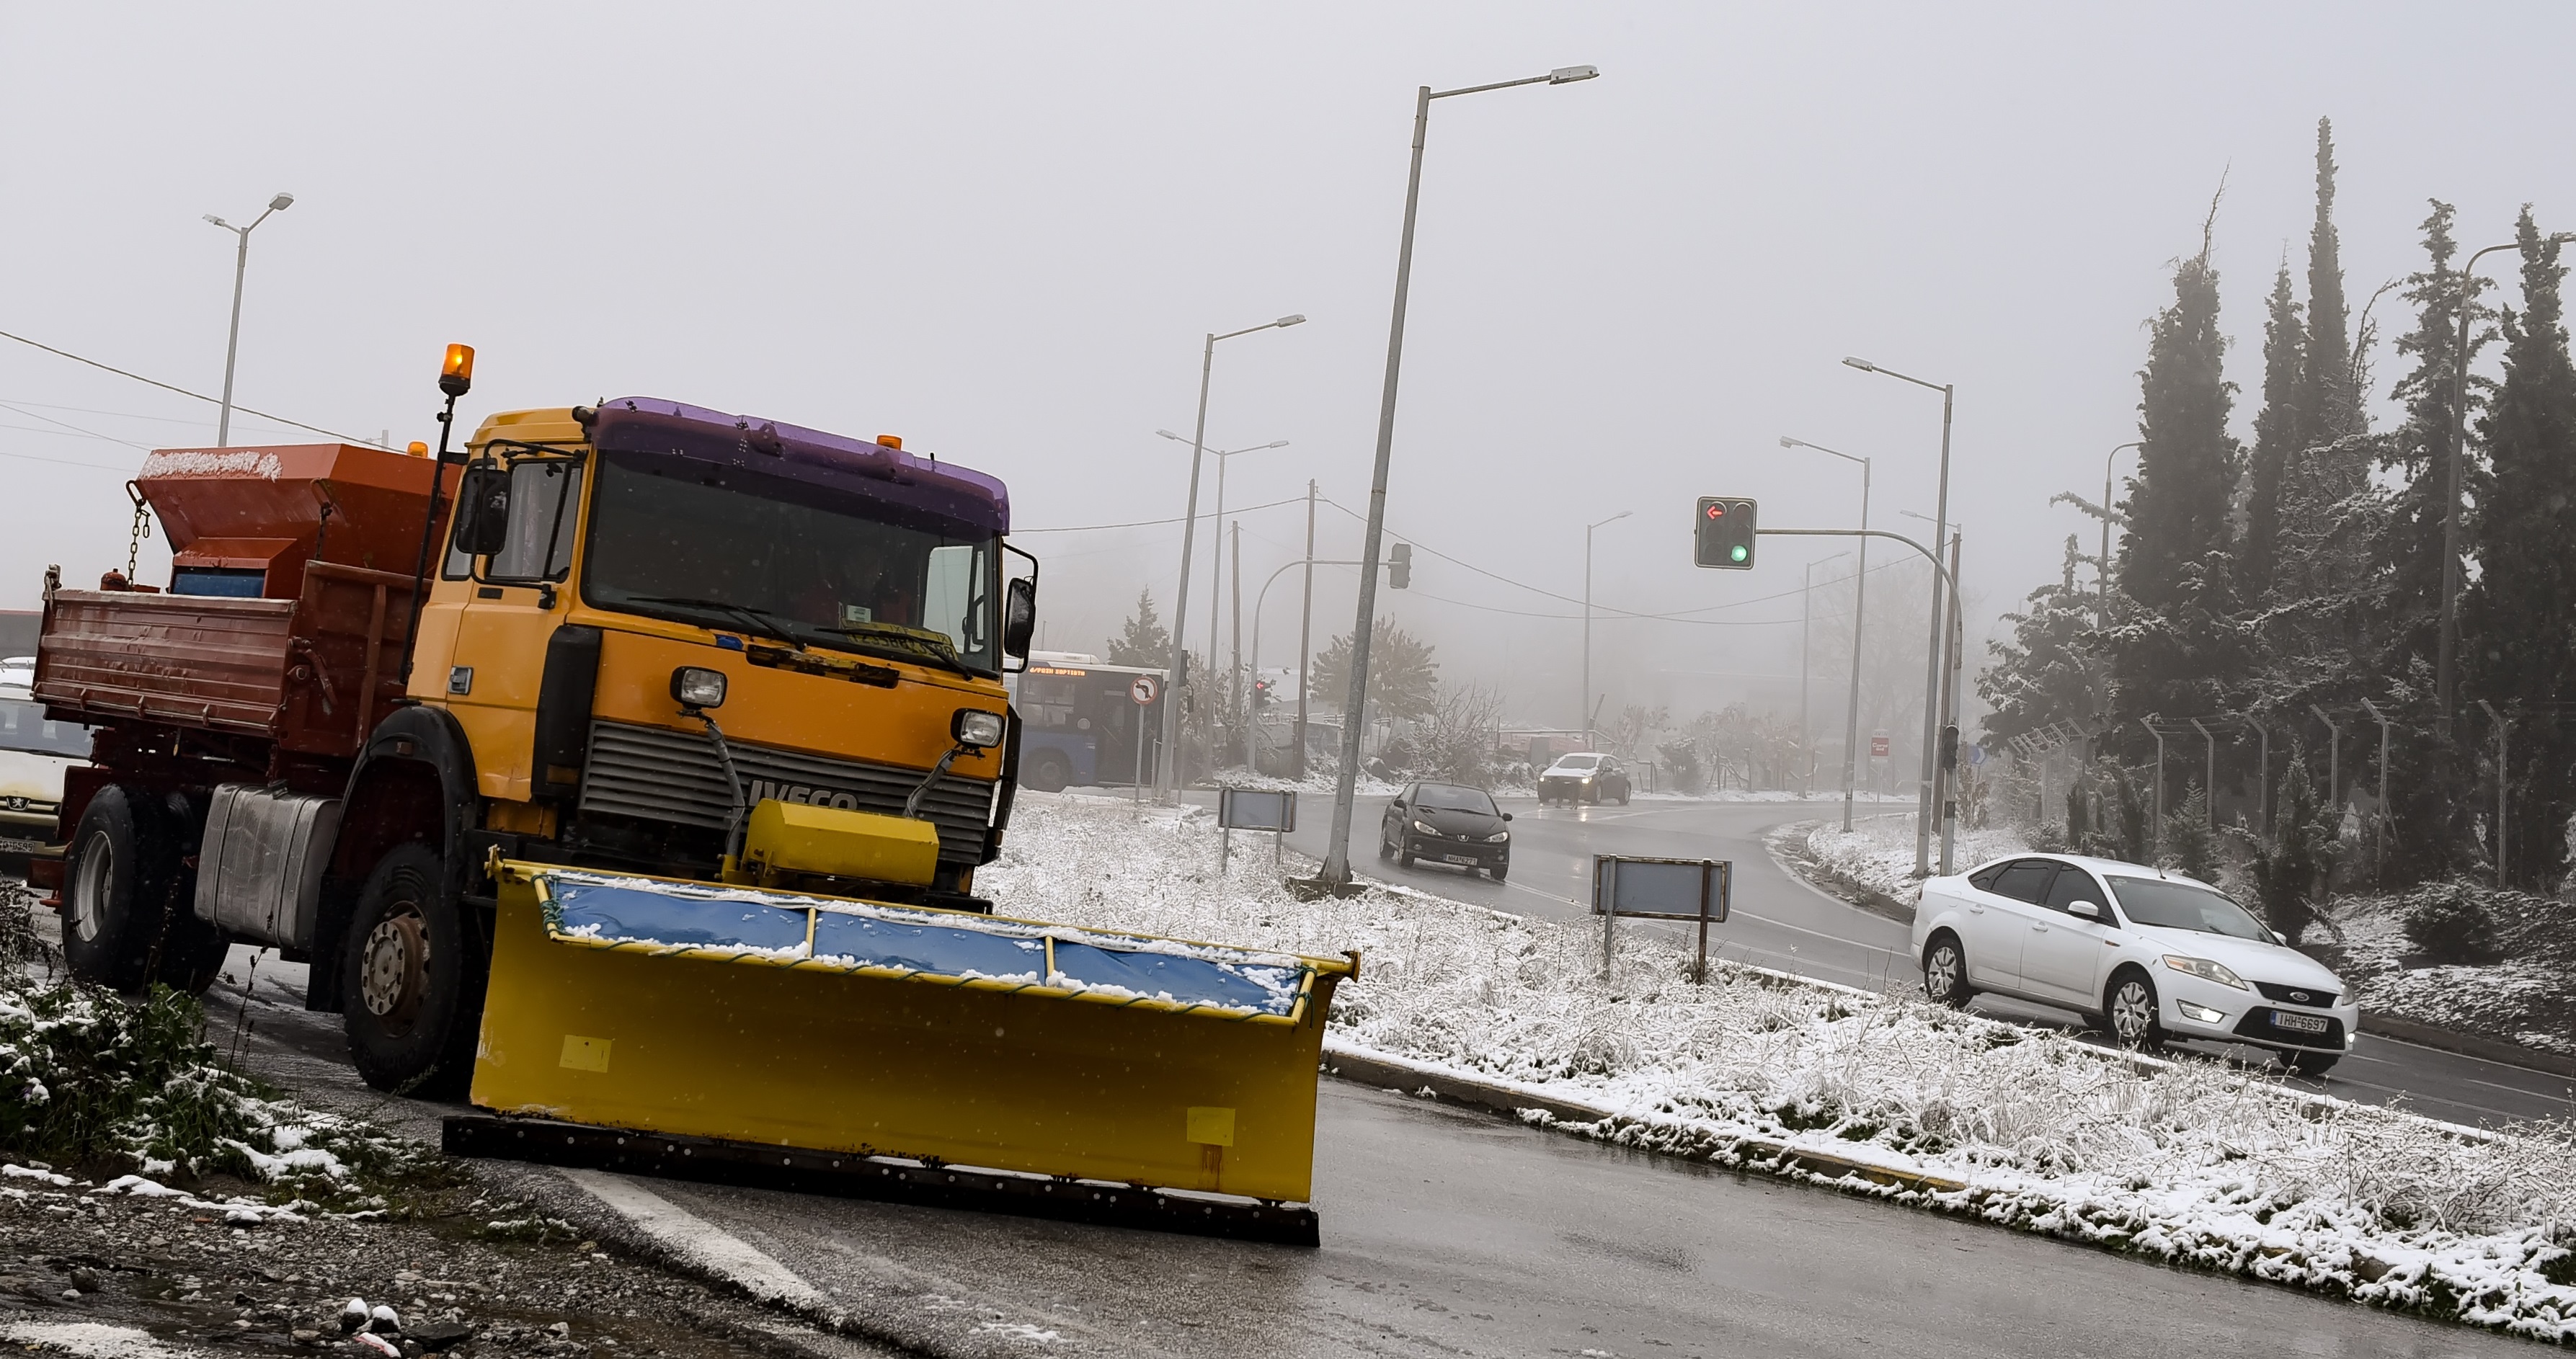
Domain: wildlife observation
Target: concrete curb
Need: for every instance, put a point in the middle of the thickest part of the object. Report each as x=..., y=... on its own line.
x=1759, y=1154
x=2494, y=1050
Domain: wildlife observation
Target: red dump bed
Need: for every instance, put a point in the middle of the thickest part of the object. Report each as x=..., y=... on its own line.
x=287, y=612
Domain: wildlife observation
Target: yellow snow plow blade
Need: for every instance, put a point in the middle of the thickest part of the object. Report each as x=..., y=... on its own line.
x=850, y=1026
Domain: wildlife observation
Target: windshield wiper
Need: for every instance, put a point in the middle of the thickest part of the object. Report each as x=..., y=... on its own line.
x=763, y=623
x=922, y=639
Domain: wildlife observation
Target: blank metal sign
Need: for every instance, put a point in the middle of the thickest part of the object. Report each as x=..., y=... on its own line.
x=1256, y=809
x=1660, y=889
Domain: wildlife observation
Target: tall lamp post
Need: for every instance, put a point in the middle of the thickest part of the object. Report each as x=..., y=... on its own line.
x=1933, y=644
x=2446, y=680
x=1860, y=585
x=1337, y=851
x=2102, y=569
x=1216, y=597
x=232, y=341
x=1587, y=622
x=1167, y=779
x=1806, y=653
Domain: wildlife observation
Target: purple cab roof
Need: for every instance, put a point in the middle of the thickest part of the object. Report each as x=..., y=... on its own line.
x=871, y=471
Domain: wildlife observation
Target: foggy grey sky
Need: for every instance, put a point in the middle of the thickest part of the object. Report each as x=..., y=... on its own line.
x=1001, y=232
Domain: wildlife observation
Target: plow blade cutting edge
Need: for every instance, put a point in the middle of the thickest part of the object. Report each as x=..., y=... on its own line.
x=765, y=1019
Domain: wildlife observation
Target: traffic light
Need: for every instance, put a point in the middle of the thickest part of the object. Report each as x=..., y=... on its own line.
x=1723, y=534
x=1399, y=566
x=1261, y=695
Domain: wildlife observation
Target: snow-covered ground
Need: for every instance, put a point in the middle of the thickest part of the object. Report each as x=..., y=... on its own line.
x=2526, y=999
x=2192, y=1163
x=1877, y=853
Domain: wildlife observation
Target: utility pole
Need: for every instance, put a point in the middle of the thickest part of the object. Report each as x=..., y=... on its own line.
x=2498, y=719
x=1237, y=713
x=2379, y=838
x=2156, y=831
x=1958, y=641
x=1305, y=630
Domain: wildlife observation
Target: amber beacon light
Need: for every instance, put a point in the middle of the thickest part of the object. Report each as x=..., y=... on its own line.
x=456, y=376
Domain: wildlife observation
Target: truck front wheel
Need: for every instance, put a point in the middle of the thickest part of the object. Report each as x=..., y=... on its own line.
x=413, y=970
x=127, y=917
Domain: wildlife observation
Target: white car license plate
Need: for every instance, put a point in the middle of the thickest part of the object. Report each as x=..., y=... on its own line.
x=2298, y=1023
x=1467, y=859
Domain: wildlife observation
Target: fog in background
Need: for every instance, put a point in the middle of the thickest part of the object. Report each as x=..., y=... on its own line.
x=1002, y=231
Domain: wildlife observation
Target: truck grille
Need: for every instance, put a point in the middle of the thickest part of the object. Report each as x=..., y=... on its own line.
x=664, y=775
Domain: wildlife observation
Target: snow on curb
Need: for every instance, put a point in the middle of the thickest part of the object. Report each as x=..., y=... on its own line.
x=2189, y=1162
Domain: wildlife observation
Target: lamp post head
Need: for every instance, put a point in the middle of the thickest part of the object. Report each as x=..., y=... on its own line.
x=281, y=203
x=1170, y=435
x=1286, y=321
x=1567, y=75
x=218, y=221
x=1276, y=443
x=1787, y=442
x=1862, y=364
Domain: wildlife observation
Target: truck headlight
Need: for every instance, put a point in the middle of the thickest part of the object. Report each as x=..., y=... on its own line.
x=697, y=687
x=976, y=728
x=2206, y=970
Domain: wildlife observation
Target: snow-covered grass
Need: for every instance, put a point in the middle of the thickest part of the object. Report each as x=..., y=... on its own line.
x=2527, y=998
x=2192, y=1162
x=1877, y=853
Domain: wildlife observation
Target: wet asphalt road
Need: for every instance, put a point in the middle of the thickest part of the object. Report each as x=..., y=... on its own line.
x=1781, y=922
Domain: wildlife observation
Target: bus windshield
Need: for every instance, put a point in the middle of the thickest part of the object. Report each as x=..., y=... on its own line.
x=744, y=552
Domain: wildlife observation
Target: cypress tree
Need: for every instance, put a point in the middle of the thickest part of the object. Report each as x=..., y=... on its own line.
x=2518, y=622
x=2329, y=406
x=2276, y=433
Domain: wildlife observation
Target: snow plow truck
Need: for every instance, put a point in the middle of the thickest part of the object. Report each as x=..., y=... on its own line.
x=627, y=772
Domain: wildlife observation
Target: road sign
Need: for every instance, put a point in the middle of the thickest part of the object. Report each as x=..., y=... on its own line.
x=1976, y=756
x=1661, y=889
x=1256, y=809
x=1877, y=746
x=1144, y=689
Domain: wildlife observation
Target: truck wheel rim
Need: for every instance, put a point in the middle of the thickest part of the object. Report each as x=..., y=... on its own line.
x=1941, y=972
x=89, y=890
x=2132, y=1014
x=393, y=972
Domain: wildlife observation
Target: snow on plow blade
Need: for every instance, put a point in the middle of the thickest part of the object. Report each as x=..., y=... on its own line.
x=883, y=1031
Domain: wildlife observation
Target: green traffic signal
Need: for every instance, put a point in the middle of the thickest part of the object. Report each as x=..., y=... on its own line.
x=1738, y=552
x=1723, y=533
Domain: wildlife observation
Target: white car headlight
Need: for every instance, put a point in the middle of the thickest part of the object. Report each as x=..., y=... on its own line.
x=1424, y=827
x=2206, y=970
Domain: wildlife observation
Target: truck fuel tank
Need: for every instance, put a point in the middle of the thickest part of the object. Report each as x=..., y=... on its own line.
x=259, y=869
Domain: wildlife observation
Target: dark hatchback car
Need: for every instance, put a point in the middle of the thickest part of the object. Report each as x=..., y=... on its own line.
x=1447, y=824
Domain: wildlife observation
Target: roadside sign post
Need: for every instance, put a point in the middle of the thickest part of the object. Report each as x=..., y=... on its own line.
x=1253, y=809
x=1661, y=889
x=1144, y=689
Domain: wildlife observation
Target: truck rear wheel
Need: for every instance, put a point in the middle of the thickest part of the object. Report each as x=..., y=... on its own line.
x=413, y=970
x=127, y=917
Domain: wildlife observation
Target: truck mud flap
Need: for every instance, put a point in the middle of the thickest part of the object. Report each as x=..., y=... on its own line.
x=795, y=1170
x=952, y=1041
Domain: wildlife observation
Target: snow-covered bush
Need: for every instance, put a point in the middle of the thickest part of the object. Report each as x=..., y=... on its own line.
x=2449, y=922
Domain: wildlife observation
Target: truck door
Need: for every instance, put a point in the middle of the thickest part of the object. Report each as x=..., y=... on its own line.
x=526, y=511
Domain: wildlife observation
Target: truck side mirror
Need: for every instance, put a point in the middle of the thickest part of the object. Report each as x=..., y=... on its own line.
x=1019, y=617
x=483, y=511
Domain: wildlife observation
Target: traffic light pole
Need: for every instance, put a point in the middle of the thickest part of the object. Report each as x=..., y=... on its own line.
x=1948, y=637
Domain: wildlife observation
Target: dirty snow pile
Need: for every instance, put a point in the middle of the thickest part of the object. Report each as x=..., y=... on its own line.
x=2190, y=1162
x=90, y=1079
x=1877, y=853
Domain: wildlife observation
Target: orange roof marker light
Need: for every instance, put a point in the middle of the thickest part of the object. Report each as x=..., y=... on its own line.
x=456, y=377
x=418, y=449
x=893, y=441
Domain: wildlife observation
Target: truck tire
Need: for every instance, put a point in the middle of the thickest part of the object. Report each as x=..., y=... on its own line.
x=127, y=910
x=413, y=969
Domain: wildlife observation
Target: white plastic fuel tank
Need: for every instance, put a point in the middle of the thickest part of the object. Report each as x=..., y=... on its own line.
x=259, y=869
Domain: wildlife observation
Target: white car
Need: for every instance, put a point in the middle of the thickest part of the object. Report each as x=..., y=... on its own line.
x=2152, y=955
x=34, y=752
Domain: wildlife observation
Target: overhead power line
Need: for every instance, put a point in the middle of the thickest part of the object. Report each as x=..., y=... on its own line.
x=167, y=387
x=1149, y=523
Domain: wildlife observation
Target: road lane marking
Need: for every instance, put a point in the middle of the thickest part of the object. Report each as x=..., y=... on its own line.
x=701, y=1243
x=2519, y=1090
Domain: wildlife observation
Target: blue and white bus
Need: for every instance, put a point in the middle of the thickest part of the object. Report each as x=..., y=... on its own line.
x=1079, y=722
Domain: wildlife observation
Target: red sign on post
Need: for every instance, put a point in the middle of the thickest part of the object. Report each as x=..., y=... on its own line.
x=1878, y=746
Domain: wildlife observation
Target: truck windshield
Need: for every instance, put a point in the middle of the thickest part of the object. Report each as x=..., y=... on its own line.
x=24, y=726
x=828, y=573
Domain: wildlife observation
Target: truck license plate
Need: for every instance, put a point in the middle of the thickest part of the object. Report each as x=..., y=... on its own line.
x=13, y=846
x=2298, y=1023
x=1467, y=859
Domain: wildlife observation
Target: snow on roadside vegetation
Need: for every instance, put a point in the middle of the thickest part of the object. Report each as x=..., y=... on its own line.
x=1877, y=853
x=2189, y=1162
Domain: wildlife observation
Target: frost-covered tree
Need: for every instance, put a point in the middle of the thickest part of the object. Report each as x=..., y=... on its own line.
x=2290, y=867
x=1403, y=680
x=2329, y=396
x=2276, y=431
x=2052, y=669
x=2518, y=621
x=1144, y=641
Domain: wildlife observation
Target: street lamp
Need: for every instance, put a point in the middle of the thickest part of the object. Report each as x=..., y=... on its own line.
x=2445, y=682
x=1167, y=780
x=232, y=344
x=1860, y=584
x=1933, y=643
x=2102, y=569
x=1806, y=653
x=1337, y=851
x=1587, y=622
x=1216, y=596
